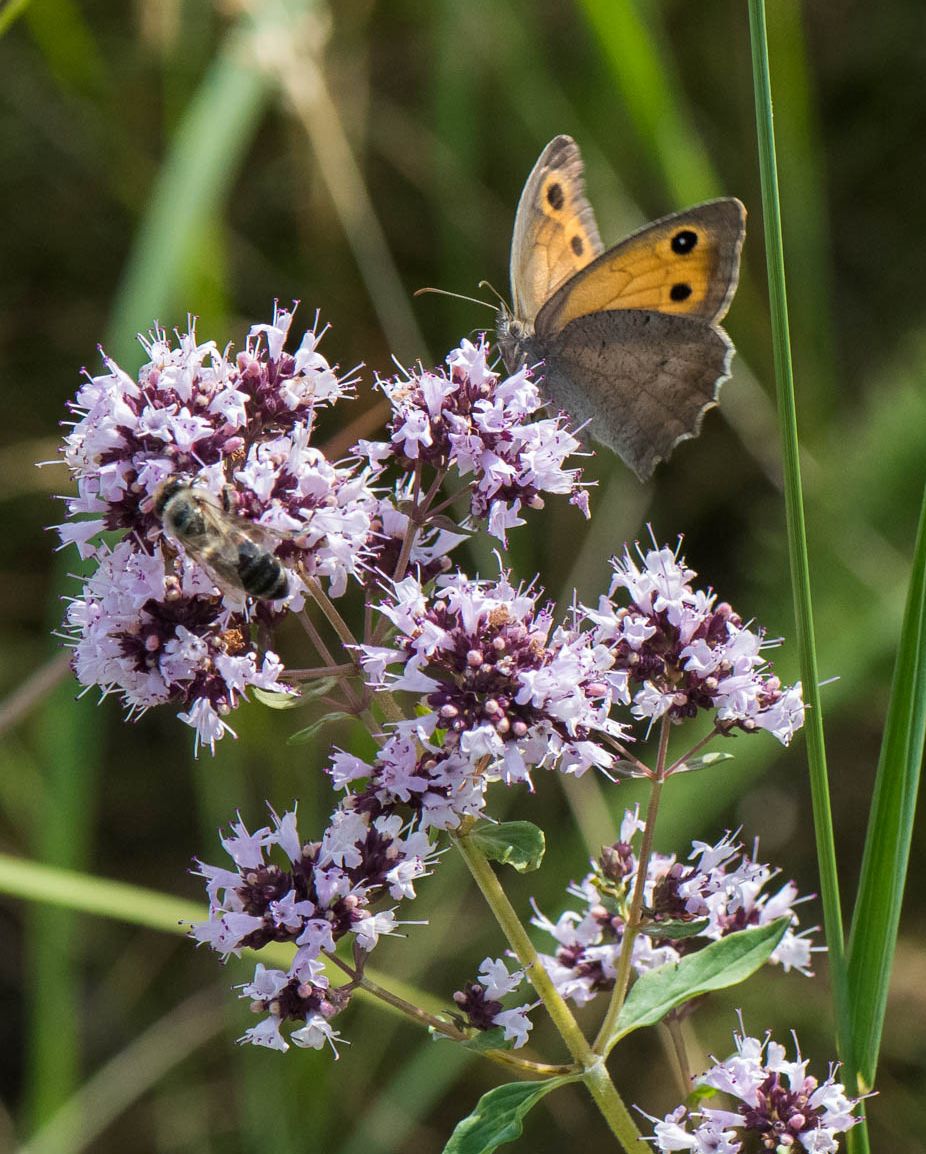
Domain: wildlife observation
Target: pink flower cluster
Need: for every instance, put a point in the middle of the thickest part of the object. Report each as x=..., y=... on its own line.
x=683, y=652
x=509, y=691
x=154, y=632
x=151, y=623
x=481, y=1002
x=780, y=1106
x=467, y=418
x=315, y=895
x=722, y=888
x=436, y=784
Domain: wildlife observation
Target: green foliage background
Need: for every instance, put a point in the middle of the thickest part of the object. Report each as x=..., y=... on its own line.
x=153, y=165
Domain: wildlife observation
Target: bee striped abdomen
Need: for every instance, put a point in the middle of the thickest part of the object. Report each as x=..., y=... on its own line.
x=261, y=573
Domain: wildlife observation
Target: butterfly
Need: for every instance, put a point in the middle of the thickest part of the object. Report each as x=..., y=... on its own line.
x=629, y=338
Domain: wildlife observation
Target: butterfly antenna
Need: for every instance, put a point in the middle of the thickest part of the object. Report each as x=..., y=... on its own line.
x=492, y=289
x=458, y=296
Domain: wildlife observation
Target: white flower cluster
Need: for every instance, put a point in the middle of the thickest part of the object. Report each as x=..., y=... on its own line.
x=153, y=623
x=438, y=786
x=722, y=887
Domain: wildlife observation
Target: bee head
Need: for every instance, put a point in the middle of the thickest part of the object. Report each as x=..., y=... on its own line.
x=165, y=491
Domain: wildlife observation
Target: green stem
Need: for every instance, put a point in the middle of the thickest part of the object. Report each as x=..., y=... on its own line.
x=797, y=537
x=594, y=1072
x=320, y=671
x=524, y=1066
x=603, y=1042
x=337, y=622
x=384, y=699
x=673, y=1031
x=696, y=748
x=353, y=701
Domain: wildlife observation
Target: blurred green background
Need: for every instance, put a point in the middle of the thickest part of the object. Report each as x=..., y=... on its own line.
x=163, y=158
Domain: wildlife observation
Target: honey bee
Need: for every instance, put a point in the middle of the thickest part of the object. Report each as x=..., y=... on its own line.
x=237, y=553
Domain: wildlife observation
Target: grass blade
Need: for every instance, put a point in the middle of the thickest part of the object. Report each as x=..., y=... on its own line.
x=797, y=535
x=210, y=142
x=890, y=828
x=70, y=746
x=71, y=890
x=645, y=78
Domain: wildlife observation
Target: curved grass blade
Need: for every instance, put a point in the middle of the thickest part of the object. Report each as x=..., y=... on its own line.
x=122, y=1080
x=645, y=78
x=101, y=897
x=873, y=936
x=210, y=143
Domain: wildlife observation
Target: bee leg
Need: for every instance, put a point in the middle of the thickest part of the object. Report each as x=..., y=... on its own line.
x=229, y=499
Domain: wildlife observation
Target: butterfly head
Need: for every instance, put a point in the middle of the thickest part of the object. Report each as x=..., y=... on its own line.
x=511, y=335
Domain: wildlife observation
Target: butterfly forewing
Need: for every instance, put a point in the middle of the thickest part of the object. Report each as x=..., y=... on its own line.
x=686, y=264
x=555, y=234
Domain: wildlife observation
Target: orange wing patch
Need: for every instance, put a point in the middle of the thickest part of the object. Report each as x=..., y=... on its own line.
x=685, y=265
x=555, y=234
x=574, y=243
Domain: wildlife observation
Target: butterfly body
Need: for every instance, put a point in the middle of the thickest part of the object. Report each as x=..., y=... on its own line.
x=628, y=338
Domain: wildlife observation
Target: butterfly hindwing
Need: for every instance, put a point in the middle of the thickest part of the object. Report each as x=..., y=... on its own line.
x=555, y=234
x=642, y=379
x=686, y=264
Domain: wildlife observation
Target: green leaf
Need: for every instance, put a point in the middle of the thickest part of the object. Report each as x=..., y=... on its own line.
x=675, y=930
x=304, y=736
x=705, y=761
x=520, y=844
x=493, y=1039
x=318, y=688
x=886, y=859
x=274, y=700
x=699, y=1094
x=721, y=964
x=499, y=1116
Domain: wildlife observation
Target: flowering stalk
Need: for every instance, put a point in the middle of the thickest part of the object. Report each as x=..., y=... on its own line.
x=603, y=1041
x=495, y=688
x=594, y=1072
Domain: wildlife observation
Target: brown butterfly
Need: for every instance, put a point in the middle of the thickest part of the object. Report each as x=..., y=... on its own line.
x=629, y=338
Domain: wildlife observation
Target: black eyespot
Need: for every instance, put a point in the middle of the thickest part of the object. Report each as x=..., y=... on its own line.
x=683, y=242
x=680, y=292
x=555, y=197
x=577, y=246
